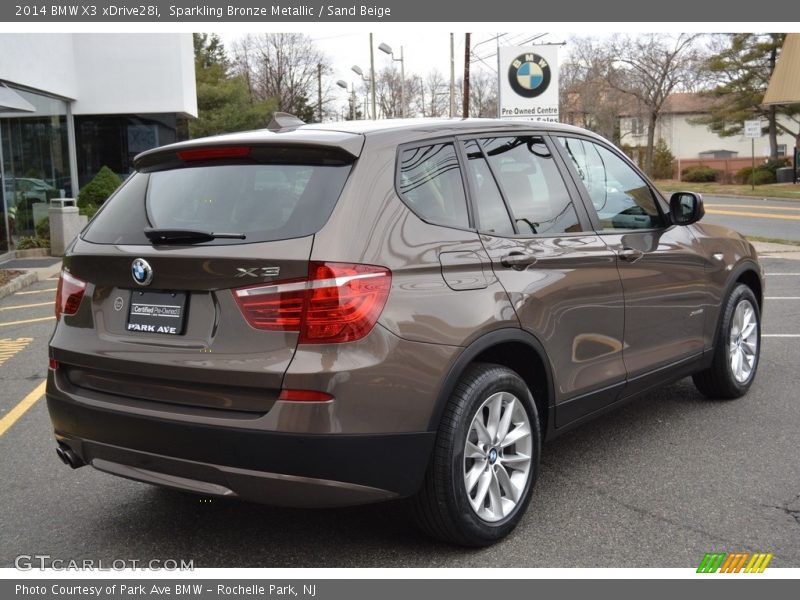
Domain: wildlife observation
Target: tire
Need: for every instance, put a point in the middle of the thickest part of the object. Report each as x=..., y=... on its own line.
x=448, y=506
x=726, y=378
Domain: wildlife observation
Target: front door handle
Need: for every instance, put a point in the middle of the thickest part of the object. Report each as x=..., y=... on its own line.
x=630, y=255
x=517, y=260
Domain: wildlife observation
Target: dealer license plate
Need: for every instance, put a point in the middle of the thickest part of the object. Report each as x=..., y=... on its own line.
x=157, y=312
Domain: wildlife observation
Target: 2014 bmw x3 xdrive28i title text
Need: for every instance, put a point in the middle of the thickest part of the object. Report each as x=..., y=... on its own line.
x=343, y=314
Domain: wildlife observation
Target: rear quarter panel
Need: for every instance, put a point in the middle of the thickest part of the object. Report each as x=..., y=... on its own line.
x=372, y=225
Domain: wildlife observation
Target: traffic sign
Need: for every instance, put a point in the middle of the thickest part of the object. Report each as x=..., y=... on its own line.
x=752, y=129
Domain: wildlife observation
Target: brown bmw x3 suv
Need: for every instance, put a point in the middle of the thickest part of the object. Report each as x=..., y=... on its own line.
x=327, y=315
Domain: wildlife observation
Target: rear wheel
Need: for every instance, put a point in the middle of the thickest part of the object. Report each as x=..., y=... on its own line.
x=737, y=350
x=485, y=461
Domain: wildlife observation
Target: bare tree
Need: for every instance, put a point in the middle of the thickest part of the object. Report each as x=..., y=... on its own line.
x=649, y=68
x=586, y=96
x=282, y=66
x=388, y=90
x=436, y=94
x=483, y=94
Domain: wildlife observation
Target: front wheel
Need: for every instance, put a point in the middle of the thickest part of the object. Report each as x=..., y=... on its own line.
x=737, y=350
x=485, y=460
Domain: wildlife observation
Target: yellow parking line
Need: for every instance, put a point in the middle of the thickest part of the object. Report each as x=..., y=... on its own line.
x=35, y=292
x=9, y=348
x=738, y=213
x=771, y=207
x=21, y=408
x=26, y=305
x=26, y=321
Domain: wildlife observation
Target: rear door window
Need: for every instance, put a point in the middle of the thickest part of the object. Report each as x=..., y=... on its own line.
x=491, y=210
x=265, y=202
x=532, y=184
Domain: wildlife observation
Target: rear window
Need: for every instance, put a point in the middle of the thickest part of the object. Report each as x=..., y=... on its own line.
x=265, y=202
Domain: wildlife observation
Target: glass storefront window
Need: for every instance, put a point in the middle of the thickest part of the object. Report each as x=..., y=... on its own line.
x=114, y=140
x=35, y=164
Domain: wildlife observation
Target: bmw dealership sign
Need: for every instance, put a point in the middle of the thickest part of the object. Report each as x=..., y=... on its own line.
x=529, y=83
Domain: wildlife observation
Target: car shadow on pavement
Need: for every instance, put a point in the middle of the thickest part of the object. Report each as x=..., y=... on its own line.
x=219, y=532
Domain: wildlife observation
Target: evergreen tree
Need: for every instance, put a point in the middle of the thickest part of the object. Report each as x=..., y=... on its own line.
x=223, y=101
x=741, y=68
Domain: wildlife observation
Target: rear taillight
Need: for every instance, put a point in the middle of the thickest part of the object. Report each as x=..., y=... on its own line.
x=69, y=294
x=337, y=303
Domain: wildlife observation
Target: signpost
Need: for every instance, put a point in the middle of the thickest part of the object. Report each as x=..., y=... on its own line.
x=752, y=130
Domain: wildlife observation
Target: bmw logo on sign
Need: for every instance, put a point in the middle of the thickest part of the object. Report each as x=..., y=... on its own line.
x=529, y=75
x=142, y=271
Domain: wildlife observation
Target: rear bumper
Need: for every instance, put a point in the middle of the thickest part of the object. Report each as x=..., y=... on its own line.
x=287, y=469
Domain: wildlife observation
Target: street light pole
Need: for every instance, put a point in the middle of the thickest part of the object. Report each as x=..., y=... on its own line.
x=402, y=84
x=388, y=50
x=357, y=70
x=352, y=91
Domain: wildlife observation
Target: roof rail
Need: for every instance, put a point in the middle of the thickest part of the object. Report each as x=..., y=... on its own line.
x=282, y=120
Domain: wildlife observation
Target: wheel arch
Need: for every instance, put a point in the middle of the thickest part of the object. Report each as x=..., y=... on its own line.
x=748, y=273
x=516, y=349
x=749, y=276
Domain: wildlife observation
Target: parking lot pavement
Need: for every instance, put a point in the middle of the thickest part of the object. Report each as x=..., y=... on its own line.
x=658, y=483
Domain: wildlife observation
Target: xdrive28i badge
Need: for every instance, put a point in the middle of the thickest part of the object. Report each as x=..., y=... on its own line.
x=142, y=271
x=529, y=75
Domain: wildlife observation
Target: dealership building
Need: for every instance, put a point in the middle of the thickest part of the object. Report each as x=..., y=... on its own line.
x=73, y=103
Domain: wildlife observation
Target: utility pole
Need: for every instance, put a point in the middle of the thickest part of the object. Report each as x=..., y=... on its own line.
x=319, y=90
x=465, y=99
x=372, y=76
x=452, y=78
x=497, y=40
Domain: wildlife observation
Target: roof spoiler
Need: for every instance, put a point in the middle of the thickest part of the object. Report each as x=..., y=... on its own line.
x=282, y=121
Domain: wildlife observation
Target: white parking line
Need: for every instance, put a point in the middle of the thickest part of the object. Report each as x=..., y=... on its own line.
x=16, y=306
x=35, y=292
x=782, y=274
x=782, y=298
x=781, y=335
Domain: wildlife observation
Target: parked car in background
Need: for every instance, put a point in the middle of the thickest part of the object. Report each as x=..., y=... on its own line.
x=28, y=189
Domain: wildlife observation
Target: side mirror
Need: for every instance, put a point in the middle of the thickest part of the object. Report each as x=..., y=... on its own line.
x=686, y=208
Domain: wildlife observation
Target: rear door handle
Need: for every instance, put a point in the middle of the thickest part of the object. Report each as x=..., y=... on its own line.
x=630, y=254
x=517, y=260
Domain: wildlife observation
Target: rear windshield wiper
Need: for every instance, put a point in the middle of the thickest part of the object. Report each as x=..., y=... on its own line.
x=187, y=236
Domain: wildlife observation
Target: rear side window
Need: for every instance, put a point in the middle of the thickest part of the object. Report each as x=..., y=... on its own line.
x=532, y=184
x=265, y=202
x=431, y=185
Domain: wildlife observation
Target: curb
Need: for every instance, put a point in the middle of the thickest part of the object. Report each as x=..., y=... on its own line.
x=19, y=282
x=762, y=198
